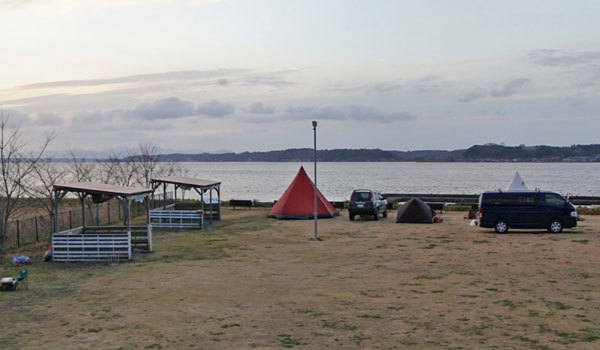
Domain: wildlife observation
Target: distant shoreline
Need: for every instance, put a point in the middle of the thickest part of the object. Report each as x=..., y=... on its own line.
x=488, y=153
x=492, y=153
x=89, y=160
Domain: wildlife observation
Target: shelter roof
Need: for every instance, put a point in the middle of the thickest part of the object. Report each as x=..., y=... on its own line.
x=102, y=189
x=186, y=181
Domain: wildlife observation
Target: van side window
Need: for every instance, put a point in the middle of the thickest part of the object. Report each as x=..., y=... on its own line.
x=554, y=200
x=528, y=200
x=510, y=200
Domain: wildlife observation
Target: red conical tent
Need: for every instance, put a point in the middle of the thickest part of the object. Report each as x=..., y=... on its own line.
x=298, y=202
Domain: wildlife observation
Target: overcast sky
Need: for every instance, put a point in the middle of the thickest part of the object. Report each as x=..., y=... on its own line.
x=202, y=75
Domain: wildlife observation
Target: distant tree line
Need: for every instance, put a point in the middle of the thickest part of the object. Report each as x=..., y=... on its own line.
x=533, y=153
x=477, y=153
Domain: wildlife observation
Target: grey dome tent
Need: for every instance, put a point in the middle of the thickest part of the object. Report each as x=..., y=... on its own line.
x=415, y=211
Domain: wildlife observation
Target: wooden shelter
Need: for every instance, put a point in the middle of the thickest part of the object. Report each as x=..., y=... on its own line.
x=97, y=243
x=180, y=215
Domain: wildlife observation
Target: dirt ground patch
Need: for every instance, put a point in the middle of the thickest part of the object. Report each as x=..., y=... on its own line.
x=254, y=282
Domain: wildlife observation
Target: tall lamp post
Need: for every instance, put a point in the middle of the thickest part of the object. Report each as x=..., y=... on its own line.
x=314, y=124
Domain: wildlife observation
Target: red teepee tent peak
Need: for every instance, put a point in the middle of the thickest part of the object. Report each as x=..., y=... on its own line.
x=301, y=171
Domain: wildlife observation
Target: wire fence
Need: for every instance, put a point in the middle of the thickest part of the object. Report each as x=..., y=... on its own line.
x=39, y=228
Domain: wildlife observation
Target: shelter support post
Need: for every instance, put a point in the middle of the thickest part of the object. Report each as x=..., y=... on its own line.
x=58, y=195
x=219, y=199
x=55, y=212
x=82, y=199
x=153, y=188
x=147, y=205
x=202, y=203
x=128, y=214
x=211, y=204
x=164, y=196
x=149, y=227
x=55, y=203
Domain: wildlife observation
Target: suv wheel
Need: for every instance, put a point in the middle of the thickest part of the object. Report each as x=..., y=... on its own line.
x=501, y=226
x=385, y=213
x=555, y=226
x=376, y=215
x=351, y=216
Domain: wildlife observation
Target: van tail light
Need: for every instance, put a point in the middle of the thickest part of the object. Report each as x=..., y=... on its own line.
x=371, y=195
x=480, y=214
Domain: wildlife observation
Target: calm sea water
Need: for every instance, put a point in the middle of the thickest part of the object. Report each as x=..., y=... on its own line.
x=268, y=181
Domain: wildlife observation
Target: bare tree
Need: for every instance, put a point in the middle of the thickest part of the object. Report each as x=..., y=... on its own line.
x=45, y=174
x=108, y=169
x=80, y=169
x=147, y=163
x=119, y=170
x=138, y=167
x=16, y=164
x=172, y=169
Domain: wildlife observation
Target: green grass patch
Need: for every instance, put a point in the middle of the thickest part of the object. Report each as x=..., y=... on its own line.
x=339, y=325
x=287, y=341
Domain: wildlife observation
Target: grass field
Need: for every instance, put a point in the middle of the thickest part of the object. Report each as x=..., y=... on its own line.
x=253, y=282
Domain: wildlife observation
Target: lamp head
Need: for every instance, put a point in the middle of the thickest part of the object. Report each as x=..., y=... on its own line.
x=314, y=123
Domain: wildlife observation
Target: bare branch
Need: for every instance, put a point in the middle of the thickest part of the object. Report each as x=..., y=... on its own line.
x=18, y=167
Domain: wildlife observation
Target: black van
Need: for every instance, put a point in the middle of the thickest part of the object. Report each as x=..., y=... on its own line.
x=504, y=210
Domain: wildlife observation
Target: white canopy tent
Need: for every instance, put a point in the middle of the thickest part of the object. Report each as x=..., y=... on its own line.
x=517, y=184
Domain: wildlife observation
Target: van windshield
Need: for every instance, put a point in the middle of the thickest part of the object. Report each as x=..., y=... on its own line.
x=554, y=200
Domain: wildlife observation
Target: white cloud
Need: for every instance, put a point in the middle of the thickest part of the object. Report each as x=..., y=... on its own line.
x=65, y=6
x=168, y=108
x=348, y=112
x=260, y=108
x=215, y=108
x=49, y=119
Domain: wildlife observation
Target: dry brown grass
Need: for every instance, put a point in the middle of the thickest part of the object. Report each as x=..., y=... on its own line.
x=588, y=211
x=254, y=282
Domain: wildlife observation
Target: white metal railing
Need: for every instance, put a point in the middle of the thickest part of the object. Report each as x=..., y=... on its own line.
x=69, y=247
x=176, y=219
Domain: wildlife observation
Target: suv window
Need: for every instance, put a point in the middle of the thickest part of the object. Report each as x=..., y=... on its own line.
x=361, y=196
x=554, y=200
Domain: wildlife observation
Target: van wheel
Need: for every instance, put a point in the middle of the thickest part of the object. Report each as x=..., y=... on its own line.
x=376, y=215
x=555, y=226
x=501, y=226
x=351, y=217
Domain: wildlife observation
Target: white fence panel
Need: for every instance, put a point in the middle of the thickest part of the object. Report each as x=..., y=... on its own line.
x=179, y=219
x=91, y=247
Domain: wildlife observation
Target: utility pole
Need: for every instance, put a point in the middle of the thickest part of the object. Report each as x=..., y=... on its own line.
x=314, y=124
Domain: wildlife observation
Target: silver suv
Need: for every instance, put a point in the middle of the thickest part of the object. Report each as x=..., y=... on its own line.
x=367, y=203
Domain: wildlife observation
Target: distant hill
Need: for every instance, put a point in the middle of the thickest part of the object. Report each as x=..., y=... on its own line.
x=477, y=153
x=494, y=152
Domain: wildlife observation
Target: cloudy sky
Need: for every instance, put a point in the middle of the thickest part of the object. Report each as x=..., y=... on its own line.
x=209, y=75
